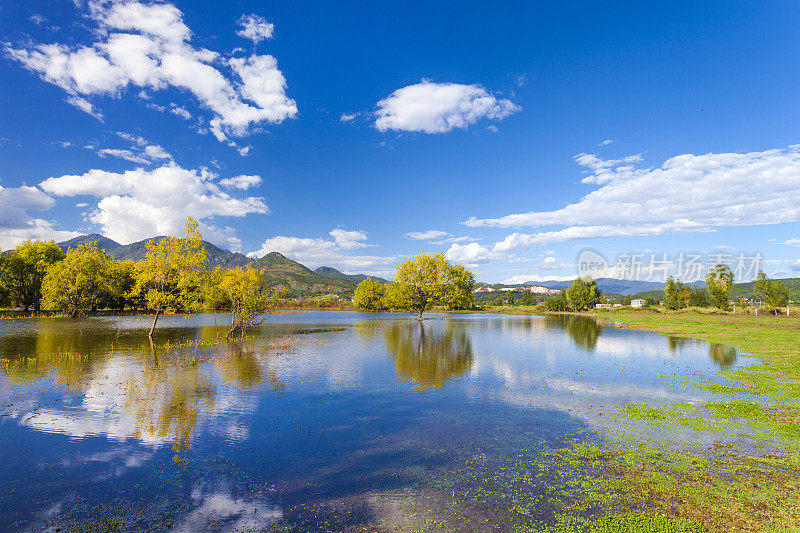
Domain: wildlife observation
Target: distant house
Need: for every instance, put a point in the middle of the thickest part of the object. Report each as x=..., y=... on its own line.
x=484, y=289
x=637, y=303
x=538, y=289
x=535, y=289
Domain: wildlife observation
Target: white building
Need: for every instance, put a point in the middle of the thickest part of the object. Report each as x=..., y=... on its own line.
x=637, y=303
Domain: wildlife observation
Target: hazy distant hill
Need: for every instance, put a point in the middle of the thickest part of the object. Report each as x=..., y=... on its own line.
x=610, y=285
x=355, y=278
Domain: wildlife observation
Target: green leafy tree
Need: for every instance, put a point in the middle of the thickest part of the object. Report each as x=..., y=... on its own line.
x=370, y=295
x=556, y=303
x=122, y=280
x=428, y=280
x=397, y=297
x=582, y=295
x=527, y=299
x=772, y=291
x=627, y=299
x=24, y=269
x=249, y=298
x=672, y=294
x=80, y=281
x=510, y=299
x=213, y=296
x=169, y=276
x=719, y=280
x=699, y=298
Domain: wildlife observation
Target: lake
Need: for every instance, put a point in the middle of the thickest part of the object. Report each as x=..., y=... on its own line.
x=318, y=420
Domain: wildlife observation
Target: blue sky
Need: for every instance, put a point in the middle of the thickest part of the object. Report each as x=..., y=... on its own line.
x=509, y=137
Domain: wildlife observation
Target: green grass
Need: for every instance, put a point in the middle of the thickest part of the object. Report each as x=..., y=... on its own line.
x=665, y=417
x=311, y=331
x=639, y=523
x=772, y=337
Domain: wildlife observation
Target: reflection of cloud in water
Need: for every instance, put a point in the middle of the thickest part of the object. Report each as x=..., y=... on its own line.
x=218, y=510
x=116, y=461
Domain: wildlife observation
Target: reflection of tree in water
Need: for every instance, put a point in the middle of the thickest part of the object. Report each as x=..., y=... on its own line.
x=166, y=399
x=676, y=344
x=74, y=348
x=583, y=330
x=426, y=357
x=243, y=365
x=163, y=393
x=722, y=354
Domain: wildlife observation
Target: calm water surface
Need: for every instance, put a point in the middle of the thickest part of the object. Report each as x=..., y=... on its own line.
x=323, y=421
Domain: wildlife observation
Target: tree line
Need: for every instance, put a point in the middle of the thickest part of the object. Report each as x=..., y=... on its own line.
x=719, y=281
x=38, y=275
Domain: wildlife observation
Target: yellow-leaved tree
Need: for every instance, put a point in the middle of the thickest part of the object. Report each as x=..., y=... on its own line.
x=23, y=270
x=369, y=295
x=169, y=276
x=78, y=282
x=428, y=280
x=249, y=298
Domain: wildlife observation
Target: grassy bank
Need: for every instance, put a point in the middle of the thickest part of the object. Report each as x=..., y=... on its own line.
x=775, y=338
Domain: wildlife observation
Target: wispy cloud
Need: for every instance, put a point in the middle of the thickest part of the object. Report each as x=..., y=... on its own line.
x=687, y=193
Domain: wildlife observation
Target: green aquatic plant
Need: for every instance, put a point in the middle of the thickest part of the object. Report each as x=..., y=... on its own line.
x=642, y=523
x=677, y=414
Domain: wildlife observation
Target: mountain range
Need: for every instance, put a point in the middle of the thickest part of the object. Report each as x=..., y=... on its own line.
x=279, y=271
x=615, y=286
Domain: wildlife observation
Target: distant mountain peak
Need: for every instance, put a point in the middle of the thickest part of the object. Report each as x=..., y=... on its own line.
x=104, y=243
x=330, y=272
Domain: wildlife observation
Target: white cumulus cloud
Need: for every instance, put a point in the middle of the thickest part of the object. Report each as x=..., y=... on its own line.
x=470, y=254
x=316, y=252
x=430, y=107
x=241, y=182
x=16, y=224
x=140, y=151
x=146, y=45
x=140, y=203
x=524, y=278
x=349, y=239
x=255, y=28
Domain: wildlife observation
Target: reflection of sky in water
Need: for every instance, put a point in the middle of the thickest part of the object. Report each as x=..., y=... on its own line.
x=340, y=420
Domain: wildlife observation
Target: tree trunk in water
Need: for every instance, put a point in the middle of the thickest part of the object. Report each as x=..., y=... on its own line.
x=155, y=319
